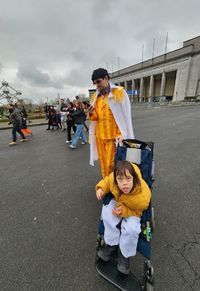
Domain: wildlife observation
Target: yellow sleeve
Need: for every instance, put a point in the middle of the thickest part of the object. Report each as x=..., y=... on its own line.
x=104, y=184
x=119, y=132
x=93, y=117
x=126, y=211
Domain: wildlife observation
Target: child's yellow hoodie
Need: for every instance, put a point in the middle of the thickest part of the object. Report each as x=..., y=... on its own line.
x=134, y=203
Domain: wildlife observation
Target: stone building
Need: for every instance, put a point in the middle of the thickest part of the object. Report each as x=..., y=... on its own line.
x=91, y=91
x=174, y=76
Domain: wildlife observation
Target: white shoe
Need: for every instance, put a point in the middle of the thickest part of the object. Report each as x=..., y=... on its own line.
x=12, y=143
x=23, y=140
x=72, y=146
x=68, y=141
x=83, y=142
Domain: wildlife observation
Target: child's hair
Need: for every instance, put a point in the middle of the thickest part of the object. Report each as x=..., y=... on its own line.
x=79, y=103
x=71, y=104
x=120, y=170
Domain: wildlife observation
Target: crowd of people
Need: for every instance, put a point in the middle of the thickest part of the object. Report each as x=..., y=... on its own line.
x=70, y=117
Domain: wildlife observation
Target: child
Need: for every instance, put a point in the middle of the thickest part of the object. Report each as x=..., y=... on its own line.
x=131, y=195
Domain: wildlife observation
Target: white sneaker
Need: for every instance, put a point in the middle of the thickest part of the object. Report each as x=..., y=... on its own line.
x=72, y=146
x=68, y=141
x=83, y=142
x=12, y=143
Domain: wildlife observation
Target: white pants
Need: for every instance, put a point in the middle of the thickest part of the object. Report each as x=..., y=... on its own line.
x=127, y=239
x=63, y=122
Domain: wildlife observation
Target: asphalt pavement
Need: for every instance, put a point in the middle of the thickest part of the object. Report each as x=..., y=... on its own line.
x=49, y=214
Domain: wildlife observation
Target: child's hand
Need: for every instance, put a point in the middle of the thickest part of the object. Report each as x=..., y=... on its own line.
x=117, y=211
x=99, y=193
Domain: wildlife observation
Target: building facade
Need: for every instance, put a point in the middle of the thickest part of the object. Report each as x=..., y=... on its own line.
x=174, y=76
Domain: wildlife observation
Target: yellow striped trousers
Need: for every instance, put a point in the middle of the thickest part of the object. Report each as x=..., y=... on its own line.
x=106, y=151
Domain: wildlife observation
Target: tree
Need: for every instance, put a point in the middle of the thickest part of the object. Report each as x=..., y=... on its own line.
x=2, y=111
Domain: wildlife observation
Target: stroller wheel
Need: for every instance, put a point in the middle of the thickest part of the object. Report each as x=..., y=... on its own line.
x=103, y=242
x=149, y=287
x=148, y=276
x=153, y=224
x=100, y=242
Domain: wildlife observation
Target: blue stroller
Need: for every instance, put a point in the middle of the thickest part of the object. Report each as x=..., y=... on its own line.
x=140, y=153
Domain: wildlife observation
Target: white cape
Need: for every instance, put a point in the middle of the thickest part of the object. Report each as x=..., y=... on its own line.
x=122, y=114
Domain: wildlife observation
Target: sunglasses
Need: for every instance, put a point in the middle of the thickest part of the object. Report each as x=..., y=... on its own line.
x=98, y=81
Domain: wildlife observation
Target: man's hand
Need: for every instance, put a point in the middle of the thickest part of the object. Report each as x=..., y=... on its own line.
x=90, y=109
x=99, y=193
x=117, y=211
x=119, y=140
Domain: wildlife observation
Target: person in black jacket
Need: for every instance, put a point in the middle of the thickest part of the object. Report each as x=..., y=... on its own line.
x=86, y=105
x=79, y=119
x=49, y=110
x=70, y=121
x=16, y=120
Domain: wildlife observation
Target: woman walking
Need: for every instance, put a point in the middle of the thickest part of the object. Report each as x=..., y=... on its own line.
x=79, y=119
x=70, y=121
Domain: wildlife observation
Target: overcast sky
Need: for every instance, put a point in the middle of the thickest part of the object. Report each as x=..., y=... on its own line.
x=52, y=46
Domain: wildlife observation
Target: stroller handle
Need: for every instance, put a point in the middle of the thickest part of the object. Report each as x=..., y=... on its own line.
x=138, y=144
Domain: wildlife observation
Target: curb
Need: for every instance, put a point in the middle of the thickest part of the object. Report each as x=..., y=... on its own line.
x=29, y=125
x=163, y=105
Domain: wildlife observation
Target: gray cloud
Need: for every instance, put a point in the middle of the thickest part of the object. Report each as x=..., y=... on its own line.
x=51, y=45
x=35, y=77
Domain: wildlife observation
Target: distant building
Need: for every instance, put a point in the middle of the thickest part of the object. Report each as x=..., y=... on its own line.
x=91, y=91
x=173, y=76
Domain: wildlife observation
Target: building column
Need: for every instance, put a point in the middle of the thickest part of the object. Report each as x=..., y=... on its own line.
x=151, y=88
x=125, y=85
x=163, y=83
x=133, y=88
x=141, y=88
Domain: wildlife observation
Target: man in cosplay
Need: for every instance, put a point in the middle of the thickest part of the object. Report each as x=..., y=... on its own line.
x=110, y=120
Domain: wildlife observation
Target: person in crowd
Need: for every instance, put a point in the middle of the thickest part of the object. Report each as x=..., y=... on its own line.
x=110, y=120
x=50, y=121
x=63, y=118
x=62, y=104
x=86, y=105
x=26, y=131
x=58, y=120
x=16, y=120
x=131, y=196
x=46, y=109
x=54, y=118
x=70, y=121
x=79, y=119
